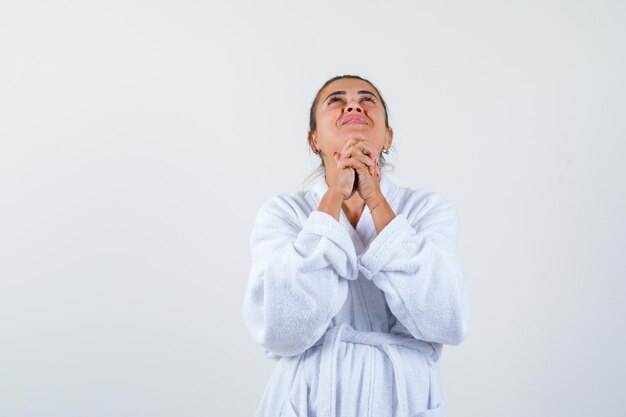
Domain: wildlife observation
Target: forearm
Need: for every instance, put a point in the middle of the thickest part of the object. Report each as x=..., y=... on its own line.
x=414, y=260
x=298, y=274
x=331, y=202
x=382, y=213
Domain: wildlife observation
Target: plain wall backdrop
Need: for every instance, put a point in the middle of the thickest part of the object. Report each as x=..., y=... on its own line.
x=139, y=138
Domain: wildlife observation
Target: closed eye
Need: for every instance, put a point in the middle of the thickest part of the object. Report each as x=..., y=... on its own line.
x=335, y=98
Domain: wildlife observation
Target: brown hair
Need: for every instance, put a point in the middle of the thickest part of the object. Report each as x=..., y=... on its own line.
x=313, y=122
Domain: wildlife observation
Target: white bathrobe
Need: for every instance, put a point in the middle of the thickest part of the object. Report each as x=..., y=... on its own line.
x=356, y=320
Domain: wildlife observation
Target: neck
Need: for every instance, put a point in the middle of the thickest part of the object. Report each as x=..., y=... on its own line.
x=354, y=203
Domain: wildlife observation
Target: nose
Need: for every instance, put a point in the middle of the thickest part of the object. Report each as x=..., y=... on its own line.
x=353, y=105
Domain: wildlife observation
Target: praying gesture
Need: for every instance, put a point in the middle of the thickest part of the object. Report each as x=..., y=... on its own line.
x=357, y=169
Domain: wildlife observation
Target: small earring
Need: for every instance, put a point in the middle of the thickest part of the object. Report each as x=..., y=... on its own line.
x=385, y=151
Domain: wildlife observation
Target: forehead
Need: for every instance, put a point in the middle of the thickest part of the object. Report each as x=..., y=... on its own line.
x=350, y=85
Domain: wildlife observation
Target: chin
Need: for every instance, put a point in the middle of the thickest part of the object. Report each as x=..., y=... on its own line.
x=357, y=136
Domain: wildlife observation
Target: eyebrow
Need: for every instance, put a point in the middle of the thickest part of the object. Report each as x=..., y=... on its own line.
x=343, y=92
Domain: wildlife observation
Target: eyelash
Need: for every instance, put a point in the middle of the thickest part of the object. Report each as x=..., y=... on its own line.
x=333, y=99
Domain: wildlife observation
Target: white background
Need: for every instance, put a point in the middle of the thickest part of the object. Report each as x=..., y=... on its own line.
x=138, y=140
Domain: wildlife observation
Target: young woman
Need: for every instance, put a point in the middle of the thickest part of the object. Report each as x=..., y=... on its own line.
x=356, y=283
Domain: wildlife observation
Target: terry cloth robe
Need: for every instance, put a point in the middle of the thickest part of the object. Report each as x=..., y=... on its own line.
x=355, y=320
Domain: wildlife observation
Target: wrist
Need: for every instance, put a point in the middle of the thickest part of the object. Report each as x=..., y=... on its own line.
x=336, y=194
x=375, y=200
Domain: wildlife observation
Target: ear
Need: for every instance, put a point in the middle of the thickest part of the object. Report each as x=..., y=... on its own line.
x=312, y=141
x=389, y=137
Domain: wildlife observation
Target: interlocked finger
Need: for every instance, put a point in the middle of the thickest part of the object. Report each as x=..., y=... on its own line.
x=359, y=149
x=353, y=161
x=361, y=146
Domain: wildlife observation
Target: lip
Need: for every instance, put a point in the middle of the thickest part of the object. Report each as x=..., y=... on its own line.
x=354, y=120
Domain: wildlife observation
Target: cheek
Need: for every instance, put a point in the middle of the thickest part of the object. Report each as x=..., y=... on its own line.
x=328, y=122
x=332, y=115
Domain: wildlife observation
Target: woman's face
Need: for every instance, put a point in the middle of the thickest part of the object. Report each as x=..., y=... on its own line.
x=349, y=108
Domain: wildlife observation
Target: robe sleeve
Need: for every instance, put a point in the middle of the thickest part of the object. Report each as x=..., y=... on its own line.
x=297, y=281
x=414, y=260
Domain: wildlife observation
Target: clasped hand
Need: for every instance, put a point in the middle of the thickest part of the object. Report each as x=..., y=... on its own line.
x=358, y=158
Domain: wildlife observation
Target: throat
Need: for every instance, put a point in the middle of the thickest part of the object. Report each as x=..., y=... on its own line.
x=353, y=211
